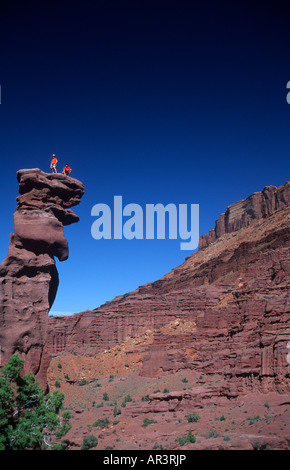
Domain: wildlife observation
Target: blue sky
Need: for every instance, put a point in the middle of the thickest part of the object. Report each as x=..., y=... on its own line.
x=160, y=102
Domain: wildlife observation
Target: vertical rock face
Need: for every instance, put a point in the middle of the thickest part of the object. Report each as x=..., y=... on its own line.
x=257, y=206
x=28, y=275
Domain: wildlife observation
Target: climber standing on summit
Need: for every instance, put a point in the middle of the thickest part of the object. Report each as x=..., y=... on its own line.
x=53, y=163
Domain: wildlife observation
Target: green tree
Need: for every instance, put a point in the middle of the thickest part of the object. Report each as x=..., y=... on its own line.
x=29, y=418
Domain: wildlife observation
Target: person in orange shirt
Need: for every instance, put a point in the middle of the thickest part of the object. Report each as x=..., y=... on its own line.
x=53, y=163
x=66, y=170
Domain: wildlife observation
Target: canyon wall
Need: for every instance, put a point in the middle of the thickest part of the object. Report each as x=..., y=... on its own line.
x=230, y=301
x=243, y=213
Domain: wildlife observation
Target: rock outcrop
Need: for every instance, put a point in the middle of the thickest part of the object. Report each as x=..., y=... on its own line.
x=28, y=275
x=234, y=294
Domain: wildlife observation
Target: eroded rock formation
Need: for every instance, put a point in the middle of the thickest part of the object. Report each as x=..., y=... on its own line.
x=28, y=275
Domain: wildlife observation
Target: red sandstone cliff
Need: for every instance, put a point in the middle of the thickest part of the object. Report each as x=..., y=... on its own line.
x=28, y=276
x=243, y=213
x=232, y=298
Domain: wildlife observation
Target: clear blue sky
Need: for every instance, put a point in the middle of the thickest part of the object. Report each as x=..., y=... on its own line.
x=157, y=101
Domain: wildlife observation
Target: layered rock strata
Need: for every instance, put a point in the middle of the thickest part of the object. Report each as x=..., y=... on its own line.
x=28, y=275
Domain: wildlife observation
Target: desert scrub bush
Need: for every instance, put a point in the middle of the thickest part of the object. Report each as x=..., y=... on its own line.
x=105, y=396
x=212, y=433
x=147, y=421
x=256, y=445
x=63, y=445
x=83, y=382
x=189, y=439
x=126, y=400
x=101, y=423
x=253, y=419
x=145, y=398
x=158, y=446
x=193, y=418
x=116, y=411
x=89, y=442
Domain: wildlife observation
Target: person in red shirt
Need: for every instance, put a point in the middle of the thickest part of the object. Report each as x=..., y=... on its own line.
x=66, y=170
x=53, y=163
